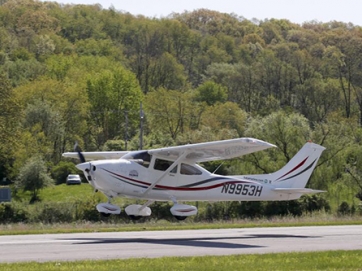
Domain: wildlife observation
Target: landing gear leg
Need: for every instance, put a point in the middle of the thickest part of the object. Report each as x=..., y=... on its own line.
x=106, y=209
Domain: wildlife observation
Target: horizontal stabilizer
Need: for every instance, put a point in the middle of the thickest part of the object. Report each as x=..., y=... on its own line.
x=297, y=190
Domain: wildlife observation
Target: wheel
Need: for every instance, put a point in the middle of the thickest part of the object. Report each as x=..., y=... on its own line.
x=105, y=214
x=180, y=217
x=135, y=217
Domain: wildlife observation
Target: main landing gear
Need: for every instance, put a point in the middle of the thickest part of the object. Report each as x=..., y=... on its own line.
x=137, y=211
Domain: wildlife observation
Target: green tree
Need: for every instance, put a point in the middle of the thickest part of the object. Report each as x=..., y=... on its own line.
x=115, y=98
x=55, y=114
x=33, y=176
x=167, y=73
x=288, y=131
x=9, y=117
x=211, y=93
x=226, y=116
x=172, y=112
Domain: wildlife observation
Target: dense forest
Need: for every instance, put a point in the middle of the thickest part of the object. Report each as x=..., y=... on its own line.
x=82, y=73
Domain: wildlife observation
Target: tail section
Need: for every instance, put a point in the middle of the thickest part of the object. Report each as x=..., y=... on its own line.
x=293, y=177
x=297, y=172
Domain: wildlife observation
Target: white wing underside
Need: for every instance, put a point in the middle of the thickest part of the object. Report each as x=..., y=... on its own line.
x=215, y=150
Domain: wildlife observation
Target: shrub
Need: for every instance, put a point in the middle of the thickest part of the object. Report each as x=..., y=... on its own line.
x=60, y=172
x=344, y=209
x=54, y=212
x=12, y=213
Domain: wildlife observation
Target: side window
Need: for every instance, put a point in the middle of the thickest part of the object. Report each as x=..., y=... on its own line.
x=163, y=165
x=189, y=170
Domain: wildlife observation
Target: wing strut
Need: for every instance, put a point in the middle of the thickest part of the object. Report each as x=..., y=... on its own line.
x=146, y=204
x=182, y=156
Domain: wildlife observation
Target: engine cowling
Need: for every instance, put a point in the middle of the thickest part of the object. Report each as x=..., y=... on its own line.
x=183, y=210
x=107, y=208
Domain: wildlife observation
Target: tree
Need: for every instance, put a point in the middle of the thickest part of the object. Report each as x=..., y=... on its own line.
x=167, y=73
x=54, y=114
x=287, y=131
x=33, y=176
x=172, y=112
x=9, y=117
x=114, y=97
x=225, y=116
x=343, y=58
x=211, y=93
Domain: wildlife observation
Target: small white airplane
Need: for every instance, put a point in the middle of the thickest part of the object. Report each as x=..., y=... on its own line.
x=173, y=174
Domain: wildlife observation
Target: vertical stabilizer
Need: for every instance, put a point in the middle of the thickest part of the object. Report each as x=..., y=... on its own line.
x=296, y=173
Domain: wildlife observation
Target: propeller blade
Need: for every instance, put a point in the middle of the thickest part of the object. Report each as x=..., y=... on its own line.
x=79, y=151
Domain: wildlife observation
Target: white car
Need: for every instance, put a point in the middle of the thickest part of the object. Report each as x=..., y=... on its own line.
x=73, y=179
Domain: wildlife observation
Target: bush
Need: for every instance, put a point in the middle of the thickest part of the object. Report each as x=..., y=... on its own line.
x=33, y=176
x=344, y=209
x=314, y=203
x=60, y=172
x=86, y=210
x=54, y=213
x=12, y=213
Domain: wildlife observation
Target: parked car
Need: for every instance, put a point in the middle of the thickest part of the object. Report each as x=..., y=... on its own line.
x=73, y=179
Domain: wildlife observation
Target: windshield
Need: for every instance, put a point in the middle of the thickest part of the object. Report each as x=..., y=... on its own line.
x=143, y=157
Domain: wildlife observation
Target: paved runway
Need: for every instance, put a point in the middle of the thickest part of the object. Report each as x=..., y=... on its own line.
x=120, y=245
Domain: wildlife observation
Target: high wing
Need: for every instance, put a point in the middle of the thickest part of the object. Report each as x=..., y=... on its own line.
x=215, y=150
x=89, y=156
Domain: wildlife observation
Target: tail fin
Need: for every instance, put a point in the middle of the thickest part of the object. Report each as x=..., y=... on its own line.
x=293, y=177
x=296, y=173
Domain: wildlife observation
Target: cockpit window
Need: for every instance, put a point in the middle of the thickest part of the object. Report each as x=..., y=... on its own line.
x=189, y=170
x=142, y=157
x=163, y=165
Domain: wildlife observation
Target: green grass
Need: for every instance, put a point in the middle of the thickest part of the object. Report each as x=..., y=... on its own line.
x=60, y=193
x=66, y=193
x=329, y=260
x=39, y=228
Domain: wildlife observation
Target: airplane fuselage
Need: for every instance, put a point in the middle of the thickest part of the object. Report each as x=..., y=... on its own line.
x=186, y=182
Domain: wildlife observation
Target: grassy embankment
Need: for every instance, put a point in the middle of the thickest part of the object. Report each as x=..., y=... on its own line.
x=330, y=260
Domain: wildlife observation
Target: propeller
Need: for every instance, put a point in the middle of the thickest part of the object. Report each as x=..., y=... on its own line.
x=79, y=151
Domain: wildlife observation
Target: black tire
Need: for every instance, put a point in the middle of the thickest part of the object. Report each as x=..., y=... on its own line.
x=180, y=218
x=135, y=217
x=105, y=214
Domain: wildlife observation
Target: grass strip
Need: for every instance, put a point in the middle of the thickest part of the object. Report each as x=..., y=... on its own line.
x=328, y=260
x=39, y=228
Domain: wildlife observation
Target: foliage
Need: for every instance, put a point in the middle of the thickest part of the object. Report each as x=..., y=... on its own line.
x=9, y=116
x=33, y=176
x=80, y=72
x=113, y=95
x=60, y=171
x=211, y=93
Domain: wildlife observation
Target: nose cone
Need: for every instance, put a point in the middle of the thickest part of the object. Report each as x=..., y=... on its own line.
x=84, y=166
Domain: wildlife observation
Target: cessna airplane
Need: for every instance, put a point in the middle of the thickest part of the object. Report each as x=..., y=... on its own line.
x=173, y=174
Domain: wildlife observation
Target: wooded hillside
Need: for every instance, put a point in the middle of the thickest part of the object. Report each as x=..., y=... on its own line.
x=79, y=73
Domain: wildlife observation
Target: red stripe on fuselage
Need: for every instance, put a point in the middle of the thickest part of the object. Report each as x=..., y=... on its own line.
x=179, y=188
